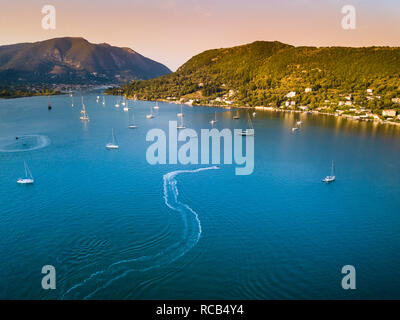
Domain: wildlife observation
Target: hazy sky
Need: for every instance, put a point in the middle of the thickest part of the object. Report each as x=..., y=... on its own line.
x=172, y=31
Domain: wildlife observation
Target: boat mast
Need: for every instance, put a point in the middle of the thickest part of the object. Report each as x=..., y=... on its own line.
x=249, y=121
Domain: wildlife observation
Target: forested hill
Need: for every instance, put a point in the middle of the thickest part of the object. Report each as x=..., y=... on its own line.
x=263, y=73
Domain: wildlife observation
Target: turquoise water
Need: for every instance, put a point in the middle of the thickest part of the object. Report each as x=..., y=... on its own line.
x=115, y=227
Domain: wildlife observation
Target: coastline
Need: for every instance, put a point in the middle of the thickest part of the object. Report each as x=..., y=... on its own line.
x=276, y=109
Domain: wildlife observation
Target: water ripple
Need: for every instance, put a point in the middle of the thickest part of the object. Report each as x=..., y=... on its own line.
x=24, y=143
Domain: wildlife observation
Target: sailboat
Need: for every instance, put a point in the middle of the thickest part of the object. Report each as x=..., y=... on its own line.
x=28, y=176
x=150, y=116
x=180, y=125
x=215, y=118
x=113, y=144
x=250, y=130
x=126, y=109
x=236, y=117
x=156, y=107
x=72, y=100
x=104, y=101
x=123, y=102
x=181, y=113
x=117, y=104
x=84, y=115
x=48, y=103
x=97, y=99
x=132, y=125
x=332, y=177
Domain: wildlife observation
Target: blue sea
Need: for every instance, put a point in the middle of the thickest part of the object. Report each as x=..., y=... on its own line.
x=116, y=227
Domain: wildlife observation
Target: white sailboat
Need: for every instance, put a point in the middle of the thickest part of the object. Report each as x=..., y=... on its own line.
x=117, y=104
x=150, y=116
x=181, y=113
x=72, y=97
x=332, y=177
x=236, y=116
x=126, y=109
x=180, y=125
x=104, y=101
x=156, y=107
x=215, y=118
x=113, y=144
x=132, y=125
x=84, y=116
x=250, y=130
x=28, y=179
x=123, y=102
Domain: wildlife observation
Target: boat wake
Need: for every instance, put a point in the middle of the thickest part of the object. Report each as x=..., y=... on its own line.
x=24, y=143
x=191, y=233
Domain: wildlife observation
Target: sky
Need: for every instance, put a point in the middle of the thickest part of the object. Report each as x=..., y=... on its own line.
x=172, y=31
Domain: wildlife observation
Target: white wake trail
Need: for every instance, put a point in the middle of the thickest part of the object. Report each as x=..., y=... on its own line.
x=191, y=233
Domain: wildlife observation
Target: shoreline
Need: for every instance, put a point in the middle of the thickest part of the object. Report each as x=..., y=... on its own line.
x=276, y=109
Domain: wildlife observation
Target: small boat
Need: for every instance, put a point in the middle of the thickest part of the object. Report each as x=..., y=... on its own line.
x=181, y=113
x=48, y=103
x=104, y=101
x=132, y=125
x=156, y=107
x=250, y=130
x=84, y=115
x=236, y=117
x=28, y=176
x=126, y=109
x=97, y=99
x=295, y=129
x=113, y=144
x=213, y=121
x=72, y=104
x=181, y=125
x=123, y=102
x=150, y=116
x=332, y=177
x=254, y=114
x=299, y=123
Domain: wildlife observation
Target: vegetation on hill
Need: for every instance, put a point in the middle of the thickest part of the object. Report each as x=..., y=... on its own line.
x=263, y=73
x=19, y=92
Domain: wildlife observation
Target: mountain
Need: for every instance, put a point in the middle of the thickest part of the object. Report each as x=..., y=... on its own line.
x=263, y=73
x=74, y=60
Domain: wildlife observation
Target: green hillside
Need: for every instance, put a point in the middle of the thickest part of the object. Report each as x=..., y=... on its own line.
x=263, y=73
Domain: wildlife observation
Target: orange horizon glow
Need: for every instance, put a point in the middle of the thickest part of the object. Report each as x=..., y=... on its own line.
x=172, y=31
